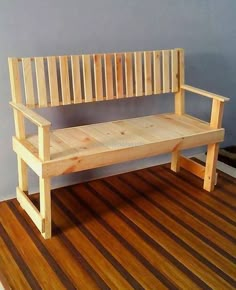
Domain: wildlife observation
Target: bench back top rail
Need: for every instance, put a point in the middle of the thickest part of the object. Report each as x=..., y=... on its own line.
x=63, y=80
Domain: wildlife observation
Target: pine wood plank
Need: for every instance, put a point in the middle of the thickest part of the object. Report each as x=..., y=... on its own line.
x=97, y=59
x=53, y=82
x=41, y=81
x=88, y=92
x=157, y=72
x=14, y=74
x=119, y=75
x=76, y=79
x=138, y=74
x=148, y=72
x=174, y=71
x=129, y=74
x=65, y=81
x=109, y=76
x=28, y=81
x=166, y=71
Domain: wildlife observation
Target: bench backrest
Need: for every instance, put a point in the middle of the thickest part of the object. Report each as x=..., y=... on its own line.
x=62, y=80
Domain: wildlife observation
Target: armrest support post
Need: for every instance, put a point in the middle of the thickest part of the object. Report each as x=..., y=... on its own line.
x=44, y=143
x=216, y=114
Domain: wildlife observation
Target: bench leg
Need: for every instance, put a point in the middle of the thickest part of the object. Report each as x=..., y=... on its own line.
x=45, y=205
x=175, y=161
x=22, y=174
x=210, y=171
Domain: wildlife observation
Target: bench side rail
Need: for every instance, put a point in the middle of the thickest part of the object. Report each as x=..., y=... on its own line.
x=62, y=80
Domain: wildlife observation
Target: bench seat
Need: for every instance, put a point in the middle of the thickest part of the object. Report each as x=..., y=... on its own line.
x=89, y=146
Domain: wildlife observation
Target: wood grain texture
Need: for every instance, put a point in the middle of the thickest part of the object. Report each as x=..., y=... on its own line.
x=109, y=76
x=157, y=72
x=28, y=81
x=76, y=79
x=119, y=75
x=41, y=82
x=110, y=232
x=138, y=73
x=98, y=77
x=129, y=79
x=148, y=72
x=65, y=81
x=166, y=71
x=53, y=81
x=88, y=91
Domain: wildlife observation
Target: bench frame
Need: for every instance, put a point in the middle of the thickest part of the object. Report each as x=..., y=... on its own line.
x=40, y=163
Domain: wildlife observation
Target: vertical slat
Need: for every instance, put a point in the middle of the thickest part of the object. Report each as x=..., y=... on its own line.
x=53, y=82
x=41, y=81
x=88, y=92
x=180, y=95
x=28, y=80
x=148, y=72
x=76, y=81
x=174, y=70
x=119, y=75
x=129, y=74
x=15, y=80
x=138, y=74
x=166, y=71
x=157, y=72
x=97, y=58
x=65, y=81
x=109, y=76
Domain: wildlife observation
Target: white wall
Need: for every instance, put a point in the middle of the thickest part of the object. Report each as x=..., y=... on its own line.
x=205, y=28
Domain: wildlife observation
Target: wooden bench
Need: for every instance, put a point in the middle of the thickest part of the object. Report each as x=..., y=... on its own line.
x=41, y=82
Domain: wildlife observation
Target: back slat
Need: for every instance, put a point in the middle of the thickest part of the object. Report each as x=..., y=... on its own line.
x=129, y=74
x=97, y=59
x=119, y=75
x=86, y=78
x=53, y=82
x=41, y=82
x=166, y=70
x=138, y=73
x=28, y=81
x=148, y=72
x=88, y=92
x=157, y=72
x=109, y=76
x=76, y=80
x=15, y=80
x=65, y=81
x=174, y=70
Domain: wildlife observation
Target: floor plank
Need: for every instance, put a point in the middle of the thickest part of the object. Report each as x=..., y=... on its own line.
x=148, y=229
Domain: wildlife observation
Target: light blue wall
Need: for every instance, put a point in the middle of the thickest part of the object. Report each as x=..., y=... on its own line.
x=205, y=28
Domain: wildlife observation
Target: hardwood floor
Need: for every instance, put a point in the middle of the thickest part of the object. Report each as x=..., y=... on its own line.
x=149, y=229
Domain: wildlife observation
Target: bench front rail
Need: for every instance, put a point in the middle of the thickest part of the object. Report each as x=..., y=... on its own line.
x=54, y=81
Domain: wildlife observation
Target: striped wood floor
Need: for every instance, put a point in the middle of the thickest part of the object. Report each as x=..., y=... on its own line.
x=149, y=229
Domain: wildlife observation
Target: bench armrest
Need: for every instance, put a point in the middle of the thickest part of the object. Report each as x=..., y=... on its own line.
x=43, y=129
x=31, y=115
x=204, y=93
